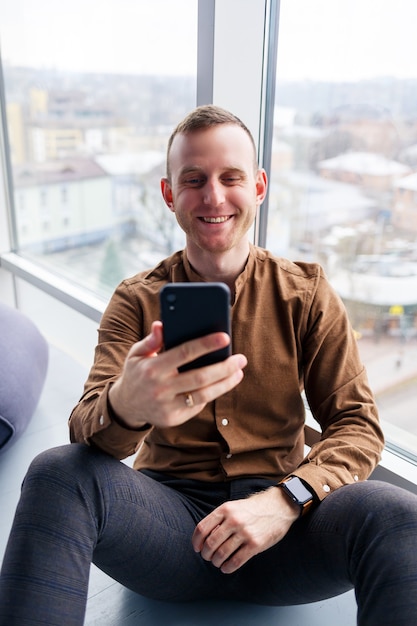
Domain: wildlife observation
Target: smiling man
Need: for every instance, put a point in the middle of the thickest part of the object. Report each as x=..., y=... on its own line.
x=215, y=188
x=222, y=501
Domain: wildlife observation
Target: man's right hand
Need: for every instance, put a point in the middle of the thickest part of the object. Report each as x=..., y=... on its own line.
x=150, y=389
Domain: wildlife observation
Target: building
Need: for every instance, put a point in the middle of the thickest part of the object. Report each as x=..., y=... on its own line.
x=404, y=214
x=62, y=204
x=372, y=171
x=17, y=134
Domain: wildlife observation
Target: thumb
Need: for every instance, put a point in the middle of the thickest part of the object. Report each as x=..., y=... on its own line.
x=151, y=344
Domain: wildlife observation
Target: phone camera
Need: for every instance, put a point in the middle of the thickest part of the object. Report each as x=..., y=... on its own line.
x=171, y=299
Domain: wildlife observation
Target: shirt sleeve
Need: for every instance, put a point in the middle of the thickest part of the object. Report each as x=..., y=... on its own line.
x=339, y=397
x=92, y=421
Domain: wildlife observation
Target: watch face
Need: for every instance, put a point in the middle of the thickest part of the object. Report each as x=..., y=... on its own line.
x=296, y=487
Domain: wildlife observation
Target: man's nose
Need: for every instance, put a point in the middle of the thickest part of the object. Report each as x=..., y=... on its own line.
x=213, y=193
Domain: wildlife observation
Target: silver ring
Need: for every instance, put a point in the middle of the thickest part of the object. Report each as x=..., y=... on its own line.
x=189, y=400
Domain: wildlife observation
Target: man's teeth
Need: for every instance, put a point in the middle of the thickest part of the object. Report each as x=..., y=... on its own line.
x=215, y=220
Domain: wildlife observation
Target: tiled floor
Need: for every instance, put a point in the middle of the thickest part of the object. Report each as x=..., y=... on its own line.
x=109, y=603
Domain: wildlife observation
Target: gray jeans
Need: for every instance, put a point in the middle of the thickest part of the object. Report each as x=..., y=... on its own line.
x=79, y=505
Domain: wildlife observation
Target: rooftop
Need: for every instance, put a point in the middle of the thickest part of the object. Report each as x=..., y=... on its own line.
x=365, y=163
x=51, y=172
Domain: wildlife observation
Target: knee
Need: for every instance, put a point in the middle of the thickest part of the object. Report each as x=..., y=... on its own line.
x=60, y=492
x=388, y=500
x=372, y=507
x=384, y=508
x=67, y=460
x=60, y=456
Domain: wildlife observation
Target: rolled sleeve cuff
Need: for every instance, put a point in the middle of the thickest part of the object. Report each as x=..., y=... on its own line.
x=322, y=481
x=110, y=434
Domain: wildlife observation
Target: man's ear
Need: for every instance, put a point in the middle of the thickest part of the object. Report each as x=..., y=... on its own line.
x=261, y=186
x=167, y=193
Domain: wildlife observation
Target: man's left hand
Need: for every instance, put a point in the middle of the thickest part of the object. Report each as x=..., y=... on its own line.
x=238, y=530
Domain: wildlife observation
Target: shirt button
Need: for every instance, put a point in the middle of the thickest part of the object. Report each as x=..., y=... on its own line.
x=101, y=420
x=229, y=456
x=225, y=422
x=326, y=488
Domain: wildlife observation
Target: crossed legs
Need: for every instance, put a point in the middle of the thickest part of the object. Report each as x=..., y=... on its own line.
x=79, y=506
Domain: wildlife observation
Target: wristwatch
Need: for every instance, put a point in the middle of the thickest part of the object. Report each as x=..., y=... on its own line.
x=298, y=492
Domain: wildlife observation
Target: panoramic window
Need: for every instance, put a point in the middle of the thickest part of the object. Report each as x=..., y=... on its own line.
x=92, y=94
x=344, y=178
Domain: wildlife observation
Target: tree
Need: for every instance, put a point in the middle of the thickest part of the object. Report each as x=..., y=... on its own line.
x=111, y=273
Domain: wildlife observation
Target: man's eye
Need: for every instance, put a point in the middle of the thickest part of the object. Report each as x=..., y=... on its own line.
x=231, y=179
x=193, y=181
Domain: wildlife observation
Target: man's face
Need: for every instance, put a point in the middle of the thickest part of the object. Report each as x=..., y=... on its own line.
x=215, y=187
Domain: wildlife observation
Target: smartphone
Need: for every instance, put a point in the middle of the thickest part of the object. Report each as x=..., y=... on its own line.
x=192, y=310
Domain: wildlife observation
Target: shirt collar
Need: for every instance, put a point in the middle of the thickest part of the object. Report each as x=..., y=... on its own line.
x=193, y=276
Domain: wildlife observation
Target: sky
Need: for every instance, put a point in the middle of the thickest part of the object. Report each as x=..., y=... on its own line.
x=347, y=39
x=126, y=36
x=319, y=39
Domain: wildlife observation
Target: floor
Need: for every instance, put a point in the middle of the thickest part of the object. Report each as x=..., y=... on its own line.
x=109, y=604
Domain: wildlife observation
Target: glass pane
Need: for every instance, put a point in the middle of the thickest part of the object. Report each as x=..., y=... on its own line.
x=92, y=94
x=344, y=177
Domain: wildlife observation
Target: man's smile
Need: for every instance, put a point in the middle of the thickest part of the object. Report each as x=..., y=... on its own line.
x=215, y=220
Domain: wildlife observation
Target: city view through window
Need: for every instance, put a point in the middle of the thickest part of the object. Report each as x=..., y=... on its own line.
x=88, y=152
x=87, y=146
x=344, y=178
x=88, y=126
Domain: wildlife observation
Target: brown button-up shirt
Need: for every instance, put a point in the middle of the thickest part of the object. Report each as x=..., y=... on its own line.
x=294, y=331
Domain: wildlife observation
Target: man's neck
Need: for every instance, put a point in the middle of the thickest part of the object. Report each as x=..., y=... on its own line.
x=222, y=267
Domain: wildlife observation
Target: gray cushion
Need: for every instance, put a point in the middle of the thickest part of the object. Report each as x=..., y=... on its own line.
x=23, y=367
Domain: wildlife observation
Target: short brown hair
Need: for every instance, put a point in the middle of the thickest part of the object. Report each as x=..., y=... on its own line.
x=204, y=117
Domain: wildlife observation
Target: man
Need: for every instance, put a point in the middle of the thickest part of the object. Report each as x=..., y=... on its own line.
x=221, y=502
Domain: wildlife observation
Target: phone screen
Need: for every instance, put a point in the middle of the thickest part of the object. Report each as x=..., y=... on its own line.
x=192, y=310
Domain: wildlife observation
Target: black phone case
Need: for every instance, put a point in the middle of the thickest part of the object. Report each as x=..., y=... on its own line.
x=191, y=310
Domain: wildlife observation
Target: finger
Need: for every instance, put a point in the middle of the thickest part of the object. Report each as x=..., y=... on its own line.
x=225, y=549
x=191, y=350
x=213, y=544
x=201, y=377
x=219, y=546
x=205, y=527
x=208, y=383
x=237, y=559
x=199, y=398
x=227, y=556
